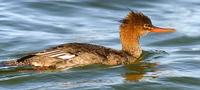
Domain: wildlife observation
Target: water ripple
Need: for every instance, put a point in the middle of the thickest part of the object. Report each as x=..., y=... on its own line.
x=170, y=61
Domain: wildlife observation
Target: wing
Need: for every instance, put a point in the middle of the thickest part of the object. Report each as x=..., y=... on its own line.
x=57, y=54
x=53, y=53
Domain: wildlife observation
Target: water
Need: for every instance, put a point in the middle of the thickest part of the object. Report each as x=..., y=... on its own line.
x=171, y=61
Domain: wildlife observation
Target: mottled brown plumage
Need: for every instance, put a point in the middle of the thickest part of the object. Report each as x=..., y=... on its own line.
x=85, y=54
x=68, y=55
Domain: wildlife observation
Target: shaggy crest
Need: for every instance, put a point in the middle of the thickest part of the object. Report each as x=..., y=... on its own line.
x=135, y=18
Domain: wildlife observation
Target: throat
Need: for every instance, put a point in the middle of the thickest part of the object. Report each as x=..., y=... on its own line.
x=130, y=44
x=132, y=48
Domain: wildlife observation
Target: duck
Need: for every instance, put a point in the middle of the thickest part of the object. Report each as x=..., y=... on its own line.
x=134, y=26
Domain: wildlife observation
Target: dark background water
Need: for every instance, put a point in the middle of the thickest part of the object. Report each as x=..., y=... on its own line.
x=171, y=61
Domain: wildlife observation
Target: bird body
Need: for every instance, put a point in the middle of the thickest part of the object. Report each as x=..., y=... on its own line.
x=76, y=54
x=132, y=28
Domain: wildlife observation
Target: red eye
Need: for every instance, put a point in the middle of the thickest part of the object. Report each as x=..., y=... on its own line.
x=147, y=27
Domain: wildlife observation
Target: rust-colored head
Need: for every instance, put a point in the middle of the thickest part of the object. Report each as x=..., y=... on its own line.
x=132, y=27
x=139, y=24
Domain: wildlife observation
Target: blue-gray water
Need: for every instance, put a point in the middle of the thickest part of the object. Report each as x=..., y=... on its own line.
x=171, y=61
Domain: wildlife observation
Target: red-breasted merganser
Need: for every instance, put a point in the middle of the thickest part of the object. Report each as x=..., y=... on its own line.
x=132, y=28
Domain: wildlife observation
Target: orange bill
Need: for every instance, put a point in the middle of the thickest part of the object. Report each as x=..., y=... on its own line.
x=162, y=30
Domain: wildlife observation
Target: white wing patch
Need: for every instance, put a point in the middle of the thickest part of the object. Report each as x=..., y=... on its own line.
x=57, y=54
x=66, y=57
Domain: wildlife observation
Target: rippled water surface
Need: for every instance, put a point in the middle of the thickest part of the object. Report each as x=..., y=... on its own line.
x=170, y=62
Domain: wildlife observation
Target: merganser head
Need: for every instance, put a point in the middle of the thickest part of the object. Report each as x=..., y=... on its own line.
x=132, y=27
x=141, y=25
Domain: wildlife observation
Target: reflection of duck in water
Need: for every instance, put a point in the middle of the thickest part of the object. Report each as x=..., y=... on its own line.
x=132, y=27
x=139, y=70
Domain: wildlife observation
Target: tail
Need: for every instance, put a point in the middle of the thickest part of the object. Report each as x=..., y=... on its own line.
x=9, y=63
x=16, y=62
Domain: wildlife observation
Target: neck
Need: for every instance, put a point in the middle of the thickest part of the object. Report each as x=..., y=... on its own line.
x=130, y=42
